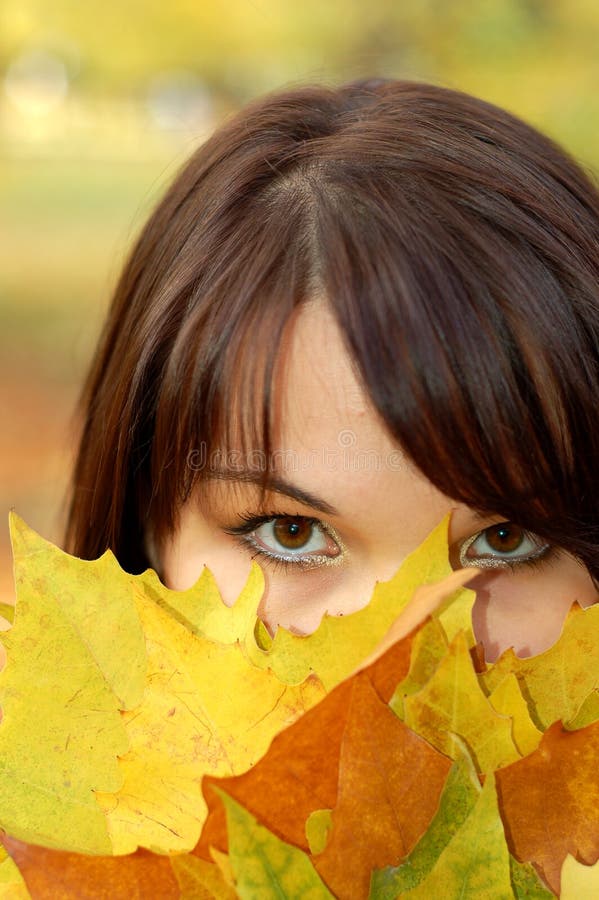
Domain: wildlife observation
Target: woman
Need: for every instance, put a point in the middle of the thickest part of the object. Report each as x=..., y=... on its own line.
x=356, y=310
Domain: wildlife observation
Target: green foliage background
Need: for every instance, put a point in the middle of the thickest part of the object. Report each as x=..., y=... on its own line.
x=77, y=180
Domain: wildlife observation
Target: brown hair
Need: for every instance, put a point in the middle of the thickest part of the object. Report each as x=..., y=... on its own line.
x=458, y=248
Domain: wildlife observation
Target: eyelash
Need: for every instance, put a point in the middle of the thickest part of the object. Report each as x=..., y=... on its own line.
x=251, y=522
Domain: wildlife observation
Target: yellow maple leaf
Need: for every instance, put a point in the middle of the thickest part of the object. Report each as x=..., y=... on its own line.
x=429, y=646
x=205, y=711
x=507, y=700
x=558, y=681
x=61, y=730
x=452, y=702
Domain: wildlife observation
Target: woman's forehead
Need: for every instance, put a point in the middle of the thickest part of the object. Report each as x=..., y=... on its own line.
x=319, y=401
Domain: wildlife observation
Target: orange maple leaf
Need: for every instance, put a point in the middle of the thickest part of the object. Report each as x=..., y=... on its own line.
x=57, y=874
x=549, y=801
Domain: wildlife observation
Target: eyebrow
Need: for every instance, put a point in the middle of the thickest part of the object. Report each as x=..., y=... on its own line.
x=277, y=485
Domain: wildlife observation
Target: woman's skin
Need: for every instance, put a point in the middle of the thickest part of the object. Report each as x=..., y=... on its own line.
x=330, y=443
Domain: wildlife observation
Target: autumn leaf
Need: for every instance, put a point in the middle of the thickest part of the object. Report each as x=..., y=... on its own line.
x=342, y=643
x=206, y=710
x=61, y=875
x=336, y=648
x=167, y=676
x=201, y=609
x=7, y=612
x=424, y=603
x=363, y=758
x=61, y=732
x=349, y=754
x=549, y=801
x=526, y=884
x=588, y=712
x=454, y=615
x=507, y=700
x=429, y=646
x=452, y=703
x=318, y=829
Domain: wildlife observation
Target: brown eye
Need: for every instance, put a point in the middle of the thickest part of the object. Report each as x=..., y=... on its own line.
x=501, y=545
x=295, y=538
x=505, y=537
x=292, y=533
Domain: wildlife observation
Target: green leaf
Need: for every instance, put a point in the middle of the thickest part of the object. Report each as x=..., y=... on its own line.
x=429, y=646
x=318, y=827
x=264, y=866
x=475, y=864
x=587, y=714
x=526, y=883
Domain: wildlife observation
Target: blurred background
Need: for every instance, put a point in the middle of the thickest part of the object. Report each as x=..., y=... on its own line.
x=100, y=103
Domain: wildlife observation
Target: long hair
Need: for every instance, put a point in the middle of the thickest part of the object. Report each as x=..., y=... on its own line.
x=459, y=251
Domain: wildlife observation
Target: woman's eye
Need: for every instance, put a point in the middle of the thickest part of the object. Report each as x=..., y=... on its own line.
x=290, y=537
x=500, y=546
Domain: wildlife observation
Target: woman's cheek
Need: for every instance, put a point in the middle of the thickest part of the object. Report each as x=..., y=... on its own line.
x=299, y=602
x=526, y=609
x=195, y=544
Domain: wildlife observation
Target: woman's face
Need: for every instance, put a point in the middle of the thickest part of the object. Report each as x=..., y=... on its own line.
x=346, y=508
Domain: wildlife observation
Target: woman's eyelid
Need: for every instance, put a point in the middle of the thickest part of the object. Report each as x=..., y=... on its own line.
x=253, y=520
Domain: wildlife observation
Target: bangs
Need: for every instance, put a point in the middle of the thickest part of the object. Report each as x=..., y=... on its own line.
x=218, y=388
x=473, y=354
